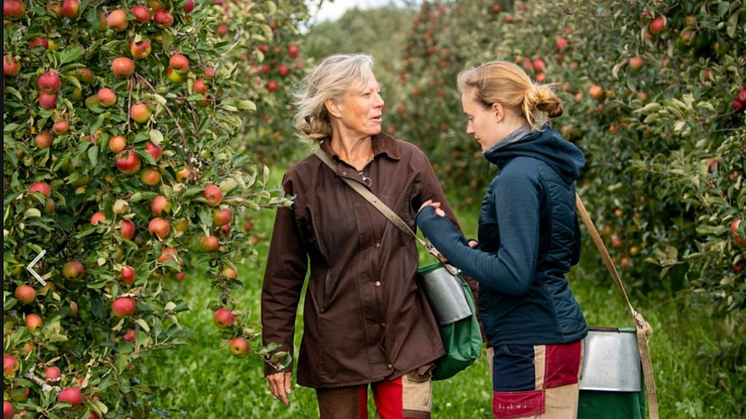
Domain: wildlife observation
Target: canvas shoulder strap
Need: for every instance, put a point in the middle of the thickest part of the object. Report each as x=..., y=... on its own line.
x=643, y=328
x=373, y=199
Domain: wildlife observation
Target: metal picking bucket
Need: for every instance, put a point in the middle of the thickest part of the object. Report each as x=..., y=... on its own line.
x=444, y=293
x=612, y=361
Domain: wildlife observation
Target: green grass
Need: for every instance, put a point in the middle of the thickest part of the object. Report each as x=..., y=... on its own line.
x=699, y=371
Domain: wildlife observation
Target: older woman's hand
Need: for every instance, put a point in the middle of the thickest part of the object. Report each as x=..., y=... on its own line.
x=435, y=205
x=280, y=385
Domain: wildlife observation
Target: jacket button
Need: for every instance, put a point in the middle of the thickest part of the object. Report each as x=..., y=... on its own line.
x=378, y=283
x=389, y=366
x=344, y=173
x=383, y=325
x=378, y=244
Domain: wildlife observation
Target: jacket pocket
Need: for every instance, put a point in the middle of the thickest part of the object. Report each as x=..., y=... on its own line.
x=422, y=374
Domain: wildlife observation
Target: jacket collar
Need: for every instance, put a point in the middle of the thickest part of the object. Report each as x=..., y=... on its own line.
x=382, y=144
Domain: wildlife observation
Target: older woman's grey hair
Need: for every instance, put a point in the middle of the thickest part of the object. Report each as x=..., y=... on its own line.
x=333, y=78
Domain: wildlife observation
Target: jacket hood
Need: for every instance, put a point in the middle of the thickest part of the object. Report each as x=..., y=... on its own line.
x=548, y=146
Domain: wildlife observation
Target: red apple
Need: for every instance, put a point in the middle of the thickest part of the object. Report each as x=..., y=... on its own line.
x=44, y=139
x=597, y=92
x=41, y=187
x=150, y=176
x=159, y=227
x=129, y=336
x=49, y=82
x=38, y=42
x=123, y=306
x=60, y=127
x=85, y=75
x=293, y=51
x=169, y=253
x=283, y=70
x=71, y=395
x=33, y=321
x=223, y=317
x=175, y=76
x=223, y=29
x=179, y=63
x=271, y=85
x=126, y=229
x=73, y=270
x=122, y=67
x=160, y=205
x=127, y=274
x=140, y=50
x=10, y=365
x=73, y=309
x=561, y=43
x=154, y=150
x=98, y=217
x=156, y=5
x=538, y=65
x=229, y=273
x=182, y=224
x=221, y=216
x=209, y=243
x=265, y=69
x=185, y=174
x=70, y=8
x=117, y=143
x=657, y=26
x=239, y=347
x=13, y=9
x=52, y=374
x=25, y=294
x=741, y=95
x=737, y=238
x=11, y=66
x=117, y=20
x=127, y=162
x=180, y=276
x=47, y=101
x=226, y=229
x=163, y=19
x=8, y=410
x=636, y=62
x=142, y=14
x=189, y=6
x=140, y=112
x=107, y=97
x=200, y=86
x=213, y=195
x=210, y=73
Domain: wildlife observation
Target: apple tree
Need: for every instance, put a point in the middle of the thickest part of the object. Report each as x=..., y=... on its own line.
x=122, y=170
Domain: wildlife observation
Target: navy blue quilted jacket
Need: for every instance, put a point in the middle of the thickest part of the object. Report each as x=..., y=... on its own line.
x=528, y=239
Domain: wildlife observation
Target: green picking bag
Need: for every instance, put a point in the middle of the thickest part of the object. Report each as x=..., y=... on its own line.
x=453, y=306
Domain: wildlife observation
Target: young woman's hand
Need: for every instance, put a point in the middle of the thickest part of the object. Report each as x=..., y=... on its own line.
x=435, y=205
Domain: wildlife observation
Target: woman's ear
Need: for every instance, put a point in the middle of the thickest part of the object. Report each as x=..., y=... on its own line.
x=499, y=111
x=332, y=106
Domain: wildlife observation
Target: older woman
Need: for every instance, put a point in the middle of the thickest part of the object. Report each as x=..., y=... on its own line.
x=365, y=322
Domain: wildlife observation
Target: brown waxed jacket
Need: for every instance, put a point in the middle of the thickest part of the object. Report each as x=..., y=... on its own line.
x=365, y=319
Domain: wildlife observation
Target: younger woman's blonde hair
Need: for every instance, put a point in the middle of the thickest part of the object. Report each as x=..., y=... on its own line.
x=331, y=79
x=507, y=84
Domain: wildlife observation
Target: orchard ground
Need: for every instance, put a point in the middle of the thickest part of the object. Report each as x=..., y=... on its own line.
x=208, y=382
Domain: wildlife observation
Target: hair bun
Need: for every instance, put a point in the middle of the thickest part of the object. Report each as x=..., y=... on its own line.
x=543, y=99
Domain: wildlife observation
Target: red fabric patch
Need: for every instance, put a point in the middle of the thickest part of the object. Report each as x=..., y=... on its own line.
x=517, y=404
x=389, y=398
x=362, y=392
x=562, y=364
